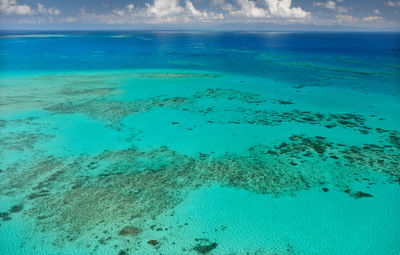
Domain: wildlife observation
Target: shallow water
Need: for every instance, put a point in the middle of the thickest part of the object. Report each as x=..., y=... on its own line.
x=199, y=143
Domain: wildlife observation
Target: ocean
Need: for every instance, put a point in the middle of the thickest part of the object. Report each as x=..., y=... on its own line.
x=199, y=142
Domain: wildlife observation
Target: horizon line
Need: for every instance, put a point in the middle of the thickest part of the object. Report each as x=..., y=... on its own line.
x=194, y=30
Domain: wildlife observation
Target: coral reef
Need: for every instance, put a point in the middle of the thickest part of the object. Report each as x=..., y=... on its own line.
x=114, y=194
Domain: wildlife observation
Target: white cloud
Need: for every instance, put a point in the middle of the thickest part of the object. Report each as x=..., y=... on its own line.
x=272, y=10
x=224, y=6
x=346, y=19
x=186, y=11
x=282, y=8
x=332, y=6
x=194, y=11
x=130, y=7
x=393, y=4
x=170, y=11
x=118, y=12
x=158, y=12
x=173, y=12
x=373, y=19
x=49, y=11
x=10, y=7
x=162, y=8
x=249, y=9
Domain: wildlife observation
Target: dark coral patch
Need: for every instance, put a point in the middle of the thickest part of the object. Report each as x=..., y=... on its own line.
x=361, y=194
x=129, y=230
x=205, y=248
x=16, y=208
x=4, y=214
x=152, y=242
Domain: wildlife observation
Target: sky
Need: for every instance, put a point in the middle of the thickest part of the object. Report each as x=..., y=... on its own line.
x=376, y=15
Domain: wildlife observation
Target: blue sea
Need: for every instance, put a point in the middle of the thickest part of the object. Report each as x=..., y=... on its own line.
x=195, y=142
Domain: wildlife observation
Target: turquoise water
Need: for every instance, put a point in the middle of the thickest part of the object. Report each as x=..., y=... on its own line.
x=199, y=143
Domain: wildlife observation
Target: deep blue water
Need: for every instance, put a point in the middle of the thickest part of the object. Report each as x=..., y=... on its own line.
x=143, y=49
x=282, y=56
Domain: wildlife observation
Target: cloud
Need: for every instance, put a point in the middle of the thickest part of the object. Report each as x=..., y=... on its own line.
x=346, y=19
x=274, y=9
x=393, y=4
x=223, y=5
x=332, y=6
x=162, y=8
x=282, y=8
x=373, y=19
x=171, y=12
x=49, y=11
x=121, y=12
x=157, y=12
x=10, y=7
x=249, y=9
x=190, y=8
x=183, y=12
x=130, y=7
